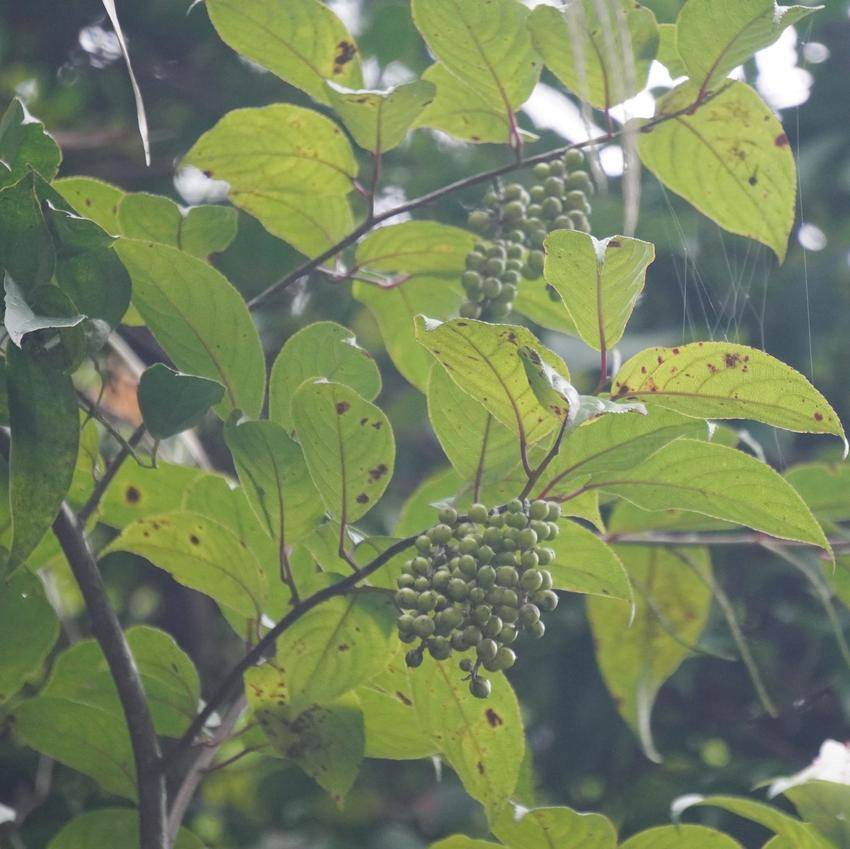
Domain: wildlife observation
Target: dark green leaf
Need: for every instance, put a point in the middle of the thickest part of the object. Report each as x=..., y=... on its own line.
x=24, y=144
x=111, y=827
x=172, y=402
x=556, y=827
x=26, y=246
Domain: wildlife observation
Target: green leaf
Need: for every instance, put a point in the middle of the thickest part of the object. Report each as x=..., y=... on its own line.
x=326, y=741
x=720, y=482
x=45, y=428
x=482, y=450
x=302, y=41
x=342, y=643
x=599, y=281
x=274, y=475
x=668, y=51
x=483, y=741
x=97, y=283
x=199, y=319
x=88, y=739
x=553, y=828
x=25, y=144
x=554, y=392
x=28, y=630
x=715, y=37
x=602, y=56
x=719, y=380
x=26, y=246
x=585, y=564
x=172, y=402
x=348, y=444
x=672, y=606
x=484, y=43
x=535, y=301
x=323, y=349
x=730, y=159
x=290, y=167
x=464, y=112
x=202, y=230
x=482, y=359
x=461, y=841
x=200, y=554
x=111, y=827
x=824, y=804
x=418, y=511
x=81, y=674
x=20, y=319
x=395, y=309
x=415, y=247
x=392, y=726
x=825, y=488
x=681, y=837
x=799, y=834
x=379, y=120
x=612, y=443
x=138, y=491
x=95, y=199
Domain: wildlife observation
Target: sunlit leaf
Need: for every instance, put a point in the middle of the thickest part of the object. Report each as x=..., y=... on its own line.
x=714, y=37
x=681, y=837
x=563, y=828
x=93, y=198
x=825, y=488
x=599, y=281
x=199, y=319
x=730, y=159
x=719, y=380
x=348, y=444
x=323, y=349
x=601, y=52
x=824, y=804
x=302, y=41
x=379, y=120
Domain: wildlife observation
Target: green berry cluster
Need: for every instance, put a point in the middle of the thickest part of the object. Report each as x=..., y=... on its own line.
x=516, y=221
x=477, y=582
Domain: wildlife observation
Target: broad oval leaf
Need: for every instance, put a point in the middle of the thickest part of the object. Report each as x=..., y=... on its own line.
x=601, y=52
x=81, y=674
x=395, y=309
x=275, y=479
x=199, y=319
x=482, y=450
x=27, y=252
x=326, y=741
x=464, y=112
x=672, y=604
x=538, y=301
x=825, y=488
x=200, y=554
x=415, y=247
x=28, y=630
x=713, y=37
x=681, y=837
x=288, y=166
x=611, y=443
x=719, y=380
x=599, y=281
x=86, y=738
x=392, y=726
x=111, y=827
x=172, y=402
x=558, y=828
x=720, y=482
x=302, y=41
x=379, y=120
x=461, y=841
x=823, y=804
x=483, y=360
x=730, y=158
x=341, y=643
x=322, y=349
x=348, y=444
x=483, y=741
x=45, y=431
x=93, y=198
x=585, y=564
x=484, y=43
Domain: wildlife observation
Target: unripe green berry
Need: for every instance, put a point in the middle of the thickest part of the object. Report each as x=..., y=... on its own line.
x=480, y=688
x=472, y=636
x=458, y=642
x=423, y=543
x=492, y=627
x=469, y=310
x=440, y=648
x=457, y=589
x=491, y=198
x=580, y=221
x=507, y=613
x=487, y=649
x=554, y=529
x=448, y=515
x=405, y=623
x=471, y=280
x=494, y=266
x=539, y=510
x=413, y=658
x=510, y=278
x=552, y=207
x=496, y=250
x=545, y=556
x=508, y=634
x=466, y=664
x=406, y=598
x=516, y=238
x=533, y=213
x=528, y=614
x=573, y=159
x=479, y=221
x=554, y=511
x=478, y=513
x=492, y=287
x=426, y=601
x=468, y=545
x=474, y=260
x=505, y=658
x=506, y=576
x=485, y=554
x=574, y=200
x=440, y=533
x=513, y=191
x=423, y=626
x=529, y=560
x=405, y=581
x=481, y=614
x=537, y=239
x=477, y=595
x=548, y=583
x=486, y=577
x=580, y=180
x=546, y=600
x=527, y=538
x=510, y=598
x=554, y=186
x=531, y=580
x=513, y=211
x=537, y=630
x=563, y=222
x=557, y=168
x=421, y=584
x=541, y=170
x=535, y=262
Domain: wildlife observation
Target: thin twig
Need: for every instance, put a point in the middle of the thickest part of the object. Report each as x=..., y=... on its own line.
x=550, y=456
x=196, y=772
